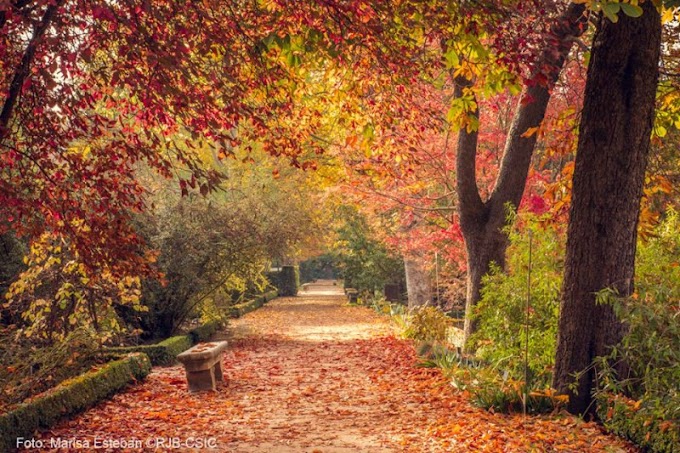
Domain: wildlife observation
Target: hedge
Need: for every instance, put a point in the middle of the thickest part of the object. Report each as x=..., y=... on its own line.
x=635, y=423
x=70, y=397
x=289, y=281
x=165, y=352
x=205, y=331
x=239, y=310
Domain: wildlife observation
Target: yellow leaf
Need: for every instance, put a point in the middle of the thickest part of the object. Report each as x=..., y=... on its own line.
x=667, y=15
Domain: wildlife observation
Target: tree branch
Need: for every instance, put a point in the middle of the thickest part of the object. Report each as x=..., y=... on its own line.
x=532, y=106
x=470, y=203
x=24, y=69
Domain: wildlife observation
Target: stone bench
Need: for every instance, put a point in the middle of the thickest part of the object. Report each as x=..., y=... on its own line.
x=203, y=365
x=352, y=295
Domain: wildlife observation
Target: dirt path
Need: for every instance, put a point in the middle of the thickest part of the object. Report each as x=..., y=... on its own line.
x=310, y=374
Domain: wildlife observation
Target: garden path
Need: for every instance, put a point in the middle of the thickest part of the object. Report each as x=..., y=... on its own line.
x=311, y=374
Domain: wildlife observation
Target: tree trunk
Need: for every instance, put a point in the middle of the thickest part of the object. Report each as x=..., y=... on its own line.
x=482, y=221
x=418, y=282
x=485, y=246
x=608, y=179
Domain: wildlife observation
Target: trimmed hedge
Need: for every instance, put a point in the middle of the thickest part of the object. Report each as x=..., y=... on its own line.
x=165, y=352
x=624, y=418
x=289, y=281
x=205, y=331
x=70, y=397
x=273, y=294
x=239, y=310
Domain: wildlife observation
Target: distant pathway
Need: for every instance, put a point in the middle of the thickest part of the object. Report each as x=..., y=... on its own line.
x=310, y=374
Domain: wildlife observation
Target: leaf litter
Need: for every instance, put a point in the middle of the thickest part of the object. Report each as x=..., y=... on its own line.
x=311, y=374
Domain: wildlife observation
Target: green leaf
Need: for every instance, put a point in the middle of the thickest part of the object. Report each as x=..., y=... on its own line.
x=631, y=10
x=452, y=60
x=611, y=10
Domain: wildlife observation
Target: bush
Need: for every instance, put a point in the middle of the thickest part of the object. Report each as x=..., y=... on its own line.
x=501, y=313
x=70, y=397
x=649, y=413
x=30, y=367
x=361, y=260
x=495, y=377
x=320, y=267
x=207, y=251
x=489, y=389
x=205, y=331
x=427, y=323
x=639, y=423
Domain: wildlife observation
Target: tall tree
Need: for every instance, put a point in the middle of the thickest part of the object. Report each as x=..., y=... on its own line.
x=613, y=146
x=482, y=221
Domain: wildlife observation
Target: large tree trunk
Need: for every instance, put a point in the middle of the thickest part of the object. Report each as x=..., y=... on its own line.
x=608, y=179
x=482, y=221
x=418, y=281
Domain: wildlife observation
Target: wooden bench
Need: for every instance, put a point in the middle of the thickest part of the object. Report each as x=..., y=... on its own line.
x=203, y=365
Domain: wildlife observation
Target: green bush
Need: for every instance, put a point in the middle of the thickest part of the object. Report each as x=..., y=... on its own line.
x=320, y=267
x=639, y=423
x=205, y=331
x=495, y=376
x=650, y=413
x=70, y=397
x=362, y=260
x=427, y=323
x=501, y=313
x=31, y=367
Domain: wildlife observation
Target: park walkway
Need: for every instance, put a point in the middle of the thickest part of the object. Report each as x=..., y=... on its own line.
x=311, y=374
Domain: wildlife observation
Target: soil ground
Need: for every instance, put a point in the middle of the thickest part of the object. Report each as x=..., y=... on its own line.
x=311, y=374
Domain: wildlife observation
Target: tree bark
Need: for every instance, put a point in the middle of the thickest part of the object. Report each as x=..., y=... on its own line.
x=482, y=221
x=418, y=282
x=613, y=146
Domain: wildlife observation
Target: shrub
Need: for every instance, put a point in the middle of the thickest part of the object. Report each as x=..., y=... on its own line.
x=495, y=377
x=362, y=261
x=207, y=252
x=205, y=331
x=70, y=397
x=649, y=413
x=322, y=266
x=30, y=367
x=639, y=422
x=501, y=313
x=427, y=323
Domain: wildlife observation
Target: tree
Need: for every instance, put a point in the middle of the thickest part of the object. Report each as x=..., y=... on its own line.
x=89, y=89
x=363, y=262
x=613, y=146
x=482, y=221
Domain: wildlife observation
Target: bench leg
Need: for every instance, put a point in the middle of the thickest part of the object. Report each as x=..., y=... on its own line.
x=219, y=374
x=201, y=380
